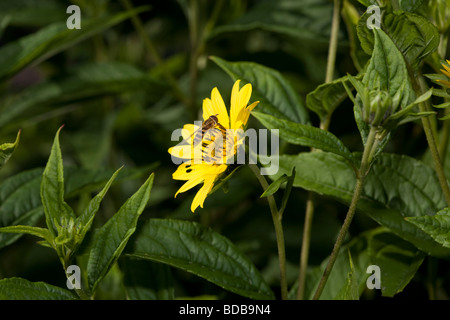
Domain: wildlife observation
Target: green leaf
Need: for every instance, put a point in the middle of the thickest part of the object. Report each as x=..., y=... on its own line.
x=410, y=5
x=110, y=240
x=20, y=201
x=327, y=97
x=22, y=289
x=87, y=81
x=305, y=135
x=274, y=186
x=201, y=251
x=276, y=95
x=413, y=35
x=387, y=69
x=6, y=150
x=306, y=20
x=147, y=280
x=52, y=189
x=397, y=187
x=27, y=13
x=34, y=231
x=350, y=291
x=48, y=41
x=437, y=226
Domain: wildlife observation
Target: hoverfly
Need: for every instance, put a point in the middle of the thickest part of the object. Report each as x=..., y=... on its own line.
x=211, y=123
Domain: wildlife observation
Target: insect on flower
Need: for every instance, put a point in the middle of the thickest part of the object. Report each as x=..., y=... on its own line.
x=209, y=124
x=219, y=137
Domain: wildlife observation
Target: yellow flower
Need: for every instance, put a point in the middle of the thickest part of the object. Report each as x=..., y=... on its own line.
x=447, y=73
x=211, y=161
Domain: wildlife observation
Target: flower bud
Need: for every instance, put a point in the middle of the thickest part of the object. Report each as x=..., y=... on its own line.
x=379, y=109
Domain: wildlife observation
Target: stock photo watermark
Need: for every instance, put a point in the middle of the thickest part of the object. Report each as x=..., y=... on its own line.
x=374, y=280
x=74, y=20
x=73, y=277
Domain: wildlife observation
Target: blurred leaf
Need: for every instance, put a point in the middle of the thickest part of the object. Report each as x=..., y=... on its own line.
x=50, y=40
x=414, y=36
x=327, y=97
x=22, y=289
x=351, y=18
x=437, y=226
x=52, y=189
x=276, y=95
x=6, y=150
x=410, y=5
x=147, y=280
x=306, y=135
x=34, y=13
x=93, y=143
x=306, y=19
x=87, y=81
x=397, y=187
x=110, y=239
x=201, y=251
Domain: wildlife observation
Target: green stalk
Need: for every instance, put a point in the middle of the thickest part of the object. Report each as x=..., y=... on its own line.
x=304, y=254
x=333, y=41
x=324, y=125
x=194, y=53
x=431, y=139
x=371, y=144
x=276, y=217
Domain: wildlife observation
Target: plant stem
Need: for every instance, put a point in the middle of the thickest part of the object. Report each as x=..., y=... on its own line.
x=427, y=127
x=362, y=173
x=139, y=26
x=324, y=125
x=278, y=230
x=194, y=53
x=304, y=254
x=333, y=41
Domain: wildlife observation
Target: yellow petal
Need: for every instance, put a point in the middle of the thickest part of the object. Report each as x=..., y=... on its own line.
x=184, y=151
x=245, y=113
x=201, y=195
x=190, y=184
x=208, y=109
x=188, y=171
x=218, y=107
x=446, y=71
x=445, y=83
x=234, y=102
x=240, y=104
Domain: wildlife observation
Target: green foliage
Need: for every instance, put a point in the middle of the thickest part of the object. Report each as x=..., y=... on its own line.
x=362, y=162
x=201, y=251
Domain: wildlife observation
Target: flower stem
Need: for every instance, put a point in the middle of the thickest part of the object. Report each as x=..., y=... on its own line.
x=371, y=144
x=276, y=217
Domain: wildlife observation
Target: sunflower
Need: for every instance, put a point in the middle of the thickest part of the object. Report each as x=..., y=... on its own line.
x=445, y=71
x=205, y=162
